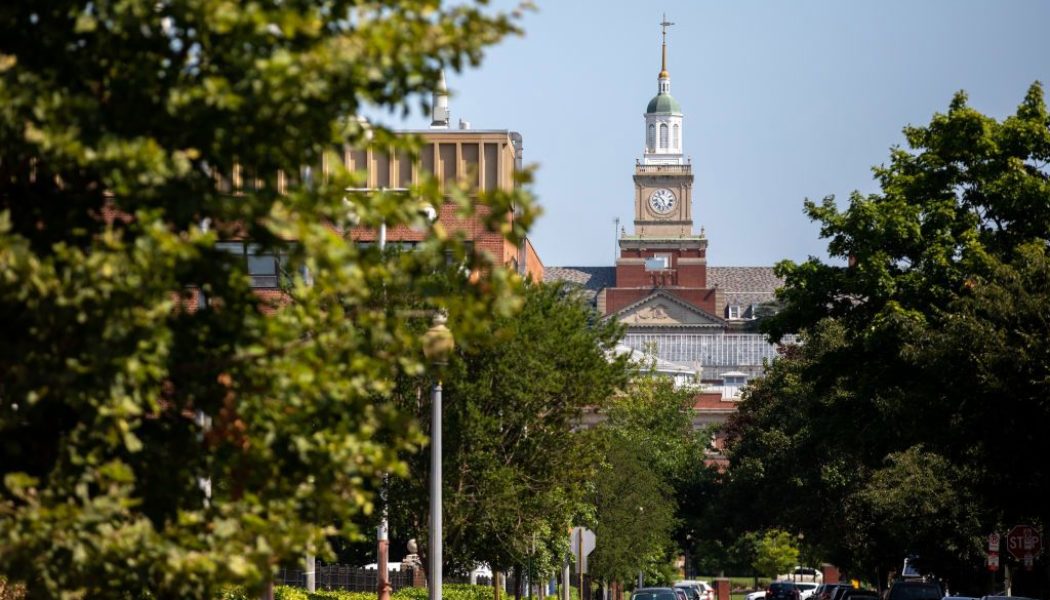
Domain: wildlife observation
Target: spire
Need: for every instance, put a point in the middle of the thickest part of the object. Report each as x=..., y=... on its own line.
x=439, y=112
x=663, y=58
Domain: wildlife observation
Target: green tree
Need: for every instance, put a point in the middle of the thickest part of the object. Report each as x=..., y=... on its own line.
x=634, y=518
x=775, y=553
x=651, y=451
x=919, y=389
x=122, y=127
x=519, y=469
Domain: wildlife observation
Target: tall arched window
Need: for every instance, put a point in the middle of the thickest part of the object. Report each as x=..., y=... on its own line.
x=676, y=146
x=650, y=138
x=663, y=135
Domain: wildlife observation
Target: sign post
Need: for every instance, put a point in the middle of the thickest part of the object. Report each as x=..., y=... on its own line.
x=993, y=552
x=581, y=542
x=1024, y=543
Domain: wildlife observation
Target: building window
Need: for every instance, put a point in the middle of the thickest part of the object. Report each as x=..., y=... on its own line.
x=663, y=135
x=676, y=137
x=732, y=385
x=733, y=312
x=658, y=262
x=264, y=266
x=650, y=137
x=752, y=311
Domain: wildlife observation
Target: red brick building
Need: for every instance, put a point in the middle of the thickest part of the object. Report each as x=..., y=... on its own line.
x=678, y=309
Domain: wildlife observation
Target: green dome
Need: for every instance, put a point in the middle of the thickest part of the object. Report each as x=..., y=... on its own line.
x=663, y=104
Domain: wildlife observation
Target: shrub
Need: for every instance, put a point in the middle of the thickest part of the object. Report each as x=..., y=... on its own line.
x=285, y=592
x=411, y=593
x=234, y=593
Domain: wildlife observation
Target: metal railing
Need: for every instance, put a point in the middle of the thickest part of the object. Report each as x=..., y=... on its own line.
x=344, y=577
x=649, y=169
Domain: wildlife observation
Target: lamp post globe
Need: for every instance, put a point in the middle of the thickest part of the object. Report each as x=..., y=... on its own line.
x=438, y=342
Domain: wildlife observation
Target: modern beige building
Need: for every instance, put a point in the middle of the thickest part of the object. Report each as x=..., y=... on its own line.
x=482, y=159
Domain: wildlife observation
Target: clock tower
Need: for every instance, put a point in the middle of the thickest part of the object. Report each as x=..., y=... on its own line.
x=663, y=251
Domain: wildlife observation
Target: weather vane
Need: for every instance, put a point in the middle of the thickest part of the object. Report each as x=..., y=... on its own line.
x=663, y=27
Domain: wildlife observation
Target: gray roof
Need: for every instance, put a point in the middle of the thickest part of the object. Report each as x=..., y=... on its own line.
x=739, y=282
x=745, y=285
x=591, y=279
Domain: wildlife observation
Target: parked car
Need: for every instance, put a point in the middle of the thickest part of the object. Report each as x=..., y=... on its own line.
x=681, y=593
x=825, y=590
x=915, y=590
x=782, y=590
x=858, y=594
x=706, y=591
x=759, y=595
x=691, y=592
x=654, y=593
x=806, y=590
x=840, y=590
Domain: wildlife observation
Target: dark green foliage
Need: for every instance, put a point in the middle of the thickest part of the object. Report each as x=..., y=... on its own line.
x=517, y=467
x=652, y=453
x=912, y=419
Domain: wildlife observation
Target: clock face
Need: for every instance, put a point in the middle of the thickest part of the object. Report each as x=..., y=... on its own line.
x=662, y=201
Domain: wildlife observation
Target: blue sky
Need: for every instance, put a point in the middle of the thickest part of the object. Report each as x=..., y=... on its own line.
x=783, y=100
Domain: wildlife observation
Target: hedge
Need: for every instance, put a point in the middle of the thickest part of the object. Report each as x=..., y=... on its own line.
x=450, y=591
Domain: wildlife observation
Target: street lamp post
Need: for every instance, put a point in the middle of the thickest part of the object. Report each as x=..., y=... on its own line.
x=383, y=531
x=437, y=345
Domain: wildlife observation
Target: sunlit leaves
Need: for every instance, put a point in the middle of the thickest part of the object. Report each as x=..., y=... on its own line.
x=139, y=369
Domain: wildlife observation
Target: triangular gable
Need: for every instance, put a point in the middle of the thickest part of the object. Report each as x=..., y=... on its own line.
x=662, y=309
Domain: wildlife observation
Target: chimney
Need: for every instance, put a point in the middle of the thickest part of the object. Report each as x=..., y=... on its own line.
x=439, y=105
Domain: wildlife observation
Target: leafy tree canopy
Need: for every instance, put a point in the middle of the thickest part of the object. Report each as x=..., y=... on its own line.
x=908, y=420
x=775, y=553
x=518, y=466
x=124, y=126
x=652, y=451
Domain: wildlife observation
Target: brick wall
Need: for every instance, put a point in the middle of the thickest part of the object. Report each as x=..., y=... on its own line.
x=533, y=264
x=712, y=401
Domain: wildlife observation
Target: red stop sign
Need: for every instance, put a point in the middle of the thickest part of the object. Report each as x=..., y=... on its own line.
x=1024, y=540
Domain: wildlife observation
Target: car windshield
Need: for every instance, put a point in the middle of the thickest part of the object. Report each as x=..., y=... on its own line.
x=782, y=586
x=660, y=595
